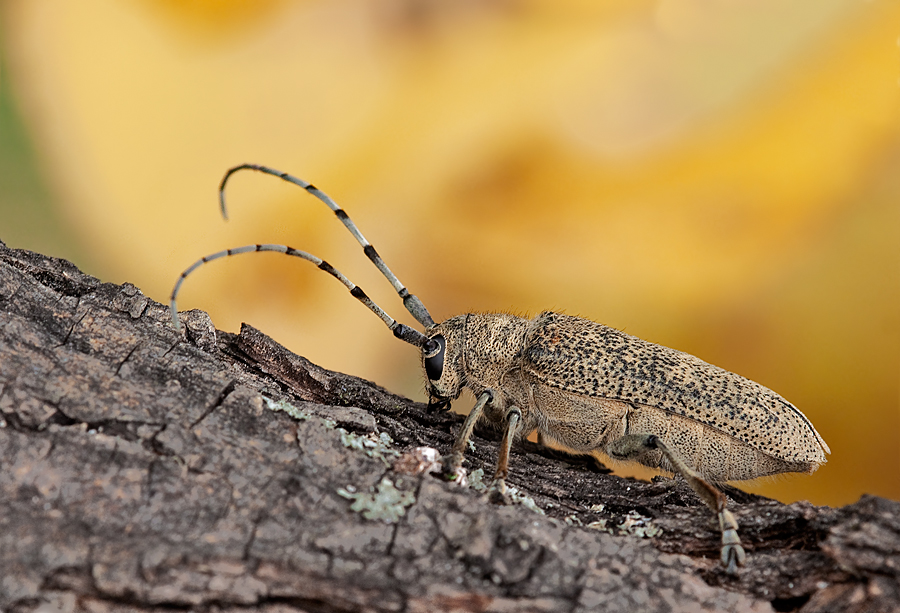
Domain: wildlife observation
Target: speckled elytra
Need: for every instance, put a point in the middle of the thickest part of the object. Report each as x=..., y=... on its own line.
x=587, y=387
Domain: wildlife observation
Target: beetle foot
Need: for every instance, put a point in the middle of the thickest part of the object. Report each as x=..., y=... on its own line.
x=497, y=493
x=733, y=554
x=732, y=557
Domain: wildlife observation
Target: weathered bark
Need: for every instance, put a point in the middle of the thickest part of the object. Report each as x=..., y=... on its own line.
x=145, y=469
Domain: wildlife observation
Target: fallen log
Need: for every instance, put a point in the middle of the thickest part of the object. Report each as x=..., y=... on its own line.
x=143, y=468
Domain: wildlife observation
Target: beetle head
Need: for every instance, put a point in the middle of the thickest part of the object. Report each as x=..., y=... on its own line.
x=442, y=358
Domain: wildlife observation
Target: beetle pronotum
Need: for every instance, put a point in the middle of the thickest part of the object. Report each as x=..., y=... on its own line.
x=587, y=387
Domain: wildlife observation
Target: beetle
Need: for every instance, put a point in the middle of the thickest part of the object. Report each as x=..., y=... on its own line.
x=585, y=386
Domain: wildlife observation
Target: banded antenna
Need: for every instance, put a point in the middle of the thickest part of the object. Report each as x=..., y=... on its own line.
x=410, y=301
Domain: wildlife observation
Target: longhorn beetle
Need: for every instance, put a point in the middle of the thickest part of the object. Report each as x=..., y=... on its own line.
x=588, y=387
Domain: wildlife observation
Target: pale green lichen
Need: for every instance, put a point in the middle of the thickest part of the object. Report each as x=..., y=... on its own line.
x=477, y=482
x=376, y=446
x=600, y=525
x=296, y=412
x=523, y=499
x=634, y=524
x=387, y=503
x=638, y=525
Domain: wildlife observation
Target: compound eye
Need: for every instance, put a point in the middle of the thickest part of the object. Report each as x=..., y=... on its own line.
x=434, y=357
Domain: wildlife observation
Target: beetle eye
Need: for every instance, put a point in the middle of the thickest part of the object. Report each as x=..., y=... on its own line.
x=434, y=358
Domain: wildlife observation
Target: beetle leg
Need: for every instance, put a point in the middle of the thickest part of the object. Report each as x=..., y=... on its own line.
x=733, y=554
x=454, y=466
x=498, y=485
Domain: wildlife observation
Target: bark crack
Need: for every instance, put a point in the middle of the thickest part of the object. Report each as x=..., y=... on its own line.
x=226, y=391
x=126, y=358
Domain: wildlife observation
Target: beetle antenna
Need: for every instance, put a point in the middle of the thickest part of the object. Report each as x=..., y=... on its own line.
x=401, y=331
x=410, y=301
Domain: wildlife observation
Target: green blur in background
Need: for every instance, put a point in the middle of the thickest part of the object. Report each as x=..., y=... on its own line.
x=717, y=176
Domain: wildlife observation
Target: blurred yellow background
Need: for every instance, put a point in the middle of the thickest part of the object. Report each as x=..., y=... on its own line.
x=717, y=176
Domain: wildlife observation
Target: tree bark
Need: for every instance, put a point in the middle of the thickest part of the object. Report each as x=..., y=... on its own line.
x=146, y=469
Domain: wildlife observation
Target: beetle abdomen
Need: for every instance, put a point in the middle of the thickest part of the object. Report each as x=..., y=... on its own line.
x=587, y=358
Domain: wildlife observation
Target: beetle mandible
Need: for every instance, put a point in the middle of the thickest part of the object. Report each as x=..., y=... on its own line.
x=587, y=387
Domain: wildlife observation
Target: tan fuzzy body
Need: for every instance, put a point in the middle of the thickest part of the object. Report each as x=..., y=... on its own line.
x=586, y=385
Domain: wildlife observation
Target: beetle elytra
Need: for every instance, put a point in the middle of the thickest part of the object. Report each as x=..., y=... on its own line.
x=587, y=387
